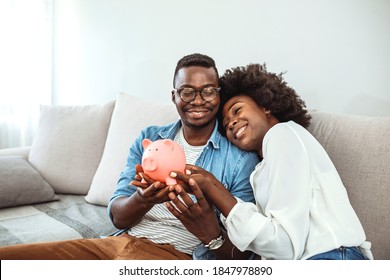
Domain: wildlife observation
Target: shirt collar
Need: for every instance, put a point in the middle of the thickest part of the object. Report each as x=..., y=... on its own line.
x=171, y=130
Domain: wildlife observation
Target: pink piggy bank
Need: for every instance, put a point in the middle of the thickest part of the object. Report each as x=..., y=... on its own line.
x=160, y=158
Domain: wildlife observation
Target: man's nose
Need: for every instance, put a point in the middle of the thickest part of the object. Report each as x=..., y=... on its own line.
x=198, y=98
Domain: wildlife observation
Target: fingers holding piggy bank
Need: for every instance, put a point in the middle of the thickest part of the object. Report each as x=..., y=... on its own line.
x=160, y=158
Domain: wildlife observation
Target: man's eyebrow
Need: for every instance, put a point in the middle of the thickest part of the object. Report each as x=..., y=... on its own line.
x=191, y=86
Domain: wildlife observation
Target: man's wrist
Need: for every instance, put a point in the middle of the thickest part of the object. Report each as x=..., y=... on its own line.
x=215, y=243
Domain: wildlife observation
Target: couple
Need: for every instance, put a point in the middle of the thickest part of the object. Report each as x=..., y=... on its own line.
x=291, y=205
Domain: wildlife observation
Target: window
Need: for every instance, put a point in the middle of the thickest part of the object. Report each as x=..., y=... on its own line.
x=25, y=68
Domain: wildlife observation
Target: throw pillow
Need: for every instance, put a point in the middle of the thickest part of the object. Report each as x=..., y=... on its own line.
x=21, y=184
x=130, y=116
x=69, y=144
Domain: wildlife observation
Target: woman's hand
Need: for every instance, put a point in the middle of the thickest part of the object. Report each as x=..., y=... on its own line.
x=204, y=179
x=196, y=170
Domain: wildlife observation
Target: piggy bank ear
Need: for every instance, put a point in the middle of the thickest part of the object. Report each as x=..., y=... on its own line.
x=169, y=144
x=146, y=142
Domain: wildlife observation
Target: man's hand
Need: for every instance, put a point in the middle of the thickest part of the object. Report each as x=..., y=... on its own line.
x=214, y=191
x=198, y=217
x=150, y=191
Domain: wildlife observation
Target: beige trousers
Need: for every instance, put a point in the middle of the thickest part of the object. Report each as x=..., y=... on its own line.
x=122, y=247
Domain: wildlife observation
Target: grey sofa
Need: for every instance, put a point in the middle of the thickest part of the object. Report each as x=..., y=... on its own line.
x=79, y=152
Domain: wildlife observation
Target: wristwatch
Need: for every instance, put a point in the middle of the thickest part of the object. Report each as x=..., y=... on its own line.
x=215, y=243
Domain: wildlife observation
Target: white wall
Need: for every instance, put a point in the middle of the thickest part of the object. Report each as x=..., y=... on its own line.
x=336, y=53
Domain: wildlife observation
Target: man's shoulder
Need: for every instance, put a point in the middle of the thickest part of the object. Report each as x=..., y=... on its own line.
x=159, y=127
x=154, y=132
x=229, y=147
x=234, y=153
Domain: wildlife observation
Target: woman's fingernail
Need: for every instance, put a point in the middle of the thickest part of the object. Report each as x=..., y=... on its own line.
x=173, y=174
x=188, y=172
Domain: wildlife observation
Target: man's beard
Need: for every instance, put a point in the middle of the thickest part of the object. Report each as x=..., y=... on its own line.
x=200, y=126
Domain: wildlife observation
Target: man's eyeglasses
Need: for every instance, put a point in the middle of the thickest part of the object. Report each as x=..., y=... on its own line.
x=189, y=94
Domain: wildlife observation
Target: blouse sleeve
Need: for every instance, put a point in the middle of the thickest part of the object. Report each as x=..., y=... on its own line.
x=278, y=228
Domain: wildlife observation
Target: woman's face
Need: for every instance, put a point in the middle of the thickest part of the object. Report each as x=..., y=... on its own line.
x=246, y=123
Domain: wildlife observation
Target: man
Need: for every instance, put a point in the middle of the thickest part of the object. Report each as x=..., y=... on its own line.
x=152, y=232
x=196, y=96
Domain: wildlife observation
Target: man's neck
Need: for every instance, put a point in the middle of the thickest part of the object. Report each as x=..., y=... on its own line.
x=198, y=136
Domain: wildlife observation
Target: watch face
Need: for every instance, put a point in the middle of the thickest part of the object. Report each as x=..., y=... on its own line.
x=216, y=243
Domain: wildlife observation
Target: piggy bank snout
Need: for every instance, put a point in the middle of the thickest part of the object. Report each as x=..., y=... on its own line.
x=149, y=163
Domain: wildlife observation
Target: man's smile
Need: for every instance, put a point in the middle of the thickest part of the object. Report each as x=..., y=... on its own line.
x=197, y=113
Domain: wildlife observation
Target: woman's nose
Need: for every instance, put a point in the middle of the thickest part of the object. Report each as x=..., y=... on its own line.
x=232, y=124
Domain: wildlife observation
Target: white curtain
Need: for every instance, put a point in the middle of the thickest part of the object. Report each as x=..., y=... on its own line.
x=25, y=68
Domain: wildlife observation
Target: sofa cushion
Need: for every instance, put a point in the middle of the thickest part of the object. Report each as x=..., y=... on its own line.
x=130, y=116
x=69, y=144
x=18, y=151
x=21, y=184
x=359, y=148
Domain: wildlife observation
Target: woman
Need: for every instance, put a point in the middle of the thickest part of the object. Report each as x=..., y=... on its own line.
x=302, y=209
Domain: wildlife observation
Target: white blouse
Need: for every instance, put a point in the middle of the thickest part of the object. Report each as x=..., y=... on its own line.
x=302, y=207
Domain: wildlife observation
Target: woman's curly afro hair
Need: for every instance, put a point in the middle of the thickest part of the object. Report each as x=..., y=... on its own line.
x=268, y=90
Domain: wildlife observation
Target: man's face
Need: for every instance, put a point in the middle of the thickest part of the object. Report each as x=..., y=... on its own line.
x=198, y=113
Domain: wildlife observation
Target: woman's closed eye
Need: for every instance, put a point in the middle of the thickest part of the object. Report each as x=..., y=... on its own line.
x=235, y=111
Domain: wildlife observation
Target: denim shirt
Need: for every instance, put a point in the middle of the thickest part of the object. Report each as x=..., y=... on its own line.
x=230, y=165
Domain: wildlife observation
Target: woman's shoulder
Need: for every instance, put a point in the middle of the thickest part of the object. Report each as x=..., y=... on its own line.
x=286, y=128
x=285, y=132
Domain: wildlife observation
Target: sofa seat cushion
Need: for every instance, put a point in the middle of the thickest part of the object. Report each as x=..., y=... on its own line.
x=21, y=184
x=69, y=144
x=71, y=217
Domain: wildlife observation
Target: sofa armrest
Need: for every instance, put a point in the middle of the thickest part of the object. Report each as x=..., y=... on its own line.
x=19, y=151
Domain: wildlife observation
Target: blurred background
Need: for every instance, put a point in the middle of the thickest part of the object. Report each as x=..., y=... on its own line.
x=334, y=53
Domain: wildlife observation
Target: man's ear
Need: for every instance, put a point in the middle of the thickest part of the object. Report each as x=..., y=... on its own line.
x=173, y=96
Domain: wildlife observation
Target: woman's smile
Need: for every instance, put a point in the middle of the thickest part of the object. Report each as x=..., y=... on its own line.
x=239, y=131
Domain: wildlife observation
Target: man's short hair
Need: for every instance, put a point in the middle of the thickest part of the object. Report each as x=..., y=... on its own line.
x=195, y=59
